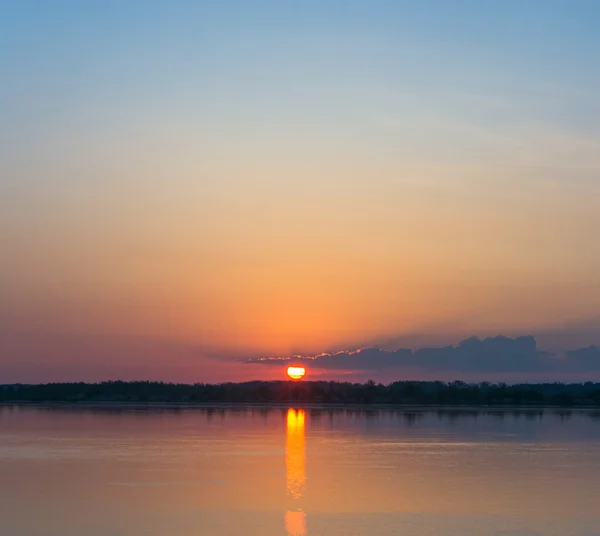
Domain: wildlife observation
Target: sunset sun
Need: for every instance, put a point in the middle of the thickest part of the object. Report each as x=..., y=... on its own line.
x=296, y=373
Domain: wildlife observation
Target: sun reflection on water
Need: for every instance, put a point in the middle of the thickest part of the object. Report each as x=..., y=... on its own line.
x=295, y=463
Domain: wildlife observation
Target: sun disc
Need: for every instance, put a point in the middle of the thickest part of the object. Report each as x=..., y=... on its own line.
x=296, y=373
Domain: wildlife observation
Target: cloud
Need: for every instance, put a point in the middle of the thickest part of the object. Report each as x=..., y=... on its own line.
x=584, y=359
x=496, y=354
x=493, y=354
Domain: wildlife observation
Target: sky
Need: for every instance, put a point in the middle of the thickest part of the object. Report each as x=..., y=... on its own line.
x=188, y=185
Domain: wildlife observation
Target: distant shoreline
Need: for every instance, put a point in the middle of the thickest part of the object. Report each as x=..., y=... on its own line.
x=294, y=405
x=409, y=395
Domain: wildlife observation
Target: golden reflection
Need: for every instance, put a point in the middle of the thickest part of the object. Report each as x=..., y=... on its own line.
x=295, y=464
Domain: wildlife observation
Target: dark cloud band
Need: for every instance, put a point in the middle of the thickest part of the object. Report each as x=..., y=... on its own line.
x=493, y=354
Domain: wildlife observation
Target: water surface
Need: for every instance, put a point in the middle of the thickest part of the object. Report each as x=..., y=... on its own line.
x=294, y=472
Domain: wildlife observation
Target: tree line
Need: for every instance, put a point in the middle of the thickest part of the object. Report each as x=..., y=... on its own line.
x=317, y=392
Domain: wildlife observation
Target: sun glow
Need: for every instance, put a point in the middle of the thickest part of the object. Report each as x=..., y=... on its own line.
x=296, y=373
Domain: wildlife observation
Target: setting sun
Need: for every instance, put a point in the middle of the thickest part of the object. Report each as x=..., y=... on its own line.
x=296, y=373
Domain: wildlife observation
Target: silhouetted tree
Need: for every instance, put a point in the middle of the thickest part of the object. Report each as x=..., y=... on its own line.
x=404, y=392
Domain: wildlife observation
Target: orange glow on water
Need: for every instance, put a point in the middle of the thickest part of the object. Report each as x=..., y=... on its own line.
x=295, y=523
x=295, y=463
x=296, y=373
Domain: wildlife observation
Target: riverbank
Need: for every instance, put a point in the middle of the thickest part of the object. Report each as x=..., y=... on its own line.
x=410, y=394
x=467, y=408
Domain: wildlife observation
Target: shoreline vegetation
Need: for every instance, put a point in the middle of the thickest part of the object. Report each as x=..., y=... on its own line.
x=413, y=394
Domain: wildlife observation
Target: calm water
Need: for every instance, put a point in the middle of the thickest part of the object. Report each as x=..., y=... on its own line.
x=298, y=473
